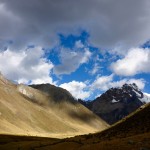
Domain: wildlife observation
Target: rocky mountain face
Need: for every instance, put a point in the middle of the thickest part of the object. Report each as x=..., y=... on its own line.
x=116, y=103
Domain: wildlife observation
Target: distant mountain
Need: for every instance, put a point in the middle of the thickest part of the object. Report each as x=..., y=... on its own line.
x=116, y=103
x=53, y=113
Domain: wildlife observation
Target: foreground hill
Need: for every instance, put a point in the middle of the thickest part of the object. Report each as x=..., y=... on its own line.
x=116, y=103
x=28, y=111
x=133, y=133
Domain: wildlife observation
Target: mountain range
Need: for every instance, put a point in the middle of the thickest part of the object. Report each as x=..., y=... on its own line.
x=116, y=103
x=47, y=117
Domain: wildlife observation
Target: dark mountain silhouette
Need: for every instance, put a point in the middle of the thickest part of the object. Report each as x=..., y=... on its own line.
x=116, y=103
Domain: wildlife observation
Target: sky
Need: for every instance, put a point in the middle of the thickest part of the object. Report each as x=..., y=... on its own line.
x=83, y=46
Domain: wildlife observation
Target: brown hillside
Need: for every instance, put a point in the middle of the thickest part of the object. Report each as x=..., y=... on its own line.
x=27, y=111
x=131, y=133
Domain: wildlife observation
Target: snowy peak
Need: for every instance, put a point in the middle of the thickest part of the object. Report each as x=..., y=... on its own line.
x=116, y=103
x=135, y=91
x=125, y=94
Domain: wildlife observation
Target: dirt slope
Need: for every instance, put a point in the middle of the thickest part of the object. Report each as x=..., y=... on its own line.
x=132, y=133
x=27, y=111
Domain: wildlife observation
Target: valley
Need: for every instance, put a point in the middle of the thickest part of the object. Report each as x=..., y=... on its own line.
x=132, y=133
x=47, y=117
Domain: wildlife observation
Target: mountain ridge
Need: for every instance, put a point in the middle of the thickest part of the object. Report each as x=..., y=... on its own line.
x=116, y=103
x=28, y=111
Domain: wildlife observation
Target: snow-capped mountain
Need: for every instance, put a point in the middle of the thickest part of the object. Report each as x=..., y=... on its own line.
x=116, y=103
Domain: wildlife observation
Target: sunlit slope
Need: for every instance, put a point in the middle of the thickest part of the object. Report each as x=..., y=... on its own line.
x=27, y=111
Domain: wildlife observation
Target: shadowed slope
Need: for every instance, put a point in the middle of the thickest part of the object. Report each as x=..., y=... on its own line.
x=133, y=132
x=57, y=94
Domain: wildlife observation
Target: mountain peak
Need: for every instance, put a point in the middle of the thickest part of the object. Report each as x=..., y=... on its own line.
x=116, y=103
x=133, y=85
x=124, y=94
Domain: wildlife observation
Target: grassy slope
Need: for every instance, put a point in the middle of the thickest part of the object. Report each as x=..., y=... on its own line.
x=40, y=116
x=132, y=133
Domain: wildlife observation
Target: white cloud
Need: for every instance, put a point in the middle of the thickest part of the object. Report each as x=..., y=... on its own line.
x=26, y=66
x=86, y=56
x=136, y=61
x=139, y=82
x=103, y=83
x=95, y=69
x=83, y=90
x=109, y=22
x=79, y=44
x=71, y=60
x=77, y=89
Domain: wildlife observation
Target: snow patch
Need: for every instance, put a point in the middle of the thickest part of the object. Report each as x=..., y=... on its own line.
x=114, y=101
x=130, y=95
x=146, y=98
x=137, y=93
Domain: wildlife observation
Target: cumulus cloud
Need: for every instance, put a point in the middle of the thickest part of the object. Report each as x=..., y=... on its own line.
x=136, y=61
x=26, y=66
x=103, y=83
x=110, y=23
x=71, y=60
x=77, y=89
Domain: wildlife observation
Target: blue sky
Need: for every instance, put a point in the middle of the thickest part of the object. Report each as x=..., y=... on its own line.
x=85, y=47
x=86, y=72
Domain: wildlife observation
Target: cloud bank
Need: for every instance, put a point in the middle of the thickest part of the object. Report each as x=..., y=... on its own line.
x=114, y=27
x=110, y=23
x=136, y=61
x=26, y=66
x=103, y=83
